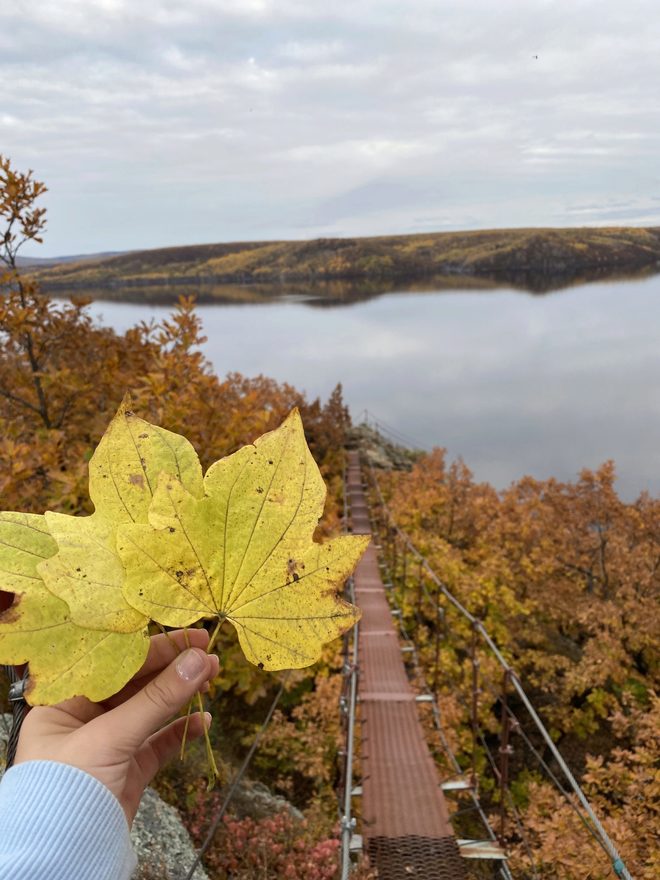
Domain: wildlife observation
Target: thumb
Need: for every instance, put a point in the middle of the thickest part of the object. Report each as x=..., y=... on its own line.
x=131, y=723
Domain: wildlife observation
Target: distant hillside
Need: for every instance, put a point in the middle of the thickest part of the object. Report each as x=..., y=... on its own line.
x=47, y=262
x=490, y=252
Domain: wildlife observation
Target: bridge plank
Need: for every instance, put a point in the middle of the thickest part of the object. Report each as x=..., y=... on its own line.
x=401, y=794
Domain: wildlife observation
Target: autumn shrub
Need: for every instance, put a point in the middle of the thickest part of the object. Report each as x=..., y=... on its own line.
x=62, y=377
x=251, y=849
x=624, y=789
x=299, y=752
x=566, y=578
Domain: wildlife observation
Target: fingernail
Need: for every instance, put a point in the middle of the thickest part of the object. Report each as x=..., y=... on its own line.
x=190, y=664
x=207, y=719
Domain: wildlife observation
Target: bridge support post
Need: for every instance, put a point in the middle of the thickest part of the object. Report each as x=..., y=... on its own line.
x=474, y=713
x=505, y=750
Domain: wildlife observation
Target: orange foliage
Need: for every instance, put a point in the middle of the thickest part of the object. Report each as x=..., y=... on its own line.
x=62, y=377
x=299, y=752
x=566, y=577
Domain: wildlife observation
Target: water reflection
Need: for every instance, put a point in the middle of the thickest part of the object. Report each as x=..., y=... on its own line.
x=343, y=292
x=515, y=384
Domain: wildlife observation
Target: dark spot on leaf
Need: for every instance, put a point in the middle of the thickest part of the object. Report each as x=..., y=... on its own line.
x=270, y=461
x=296, y=577
x=268, y=656
x=77, y=569
x=142, y=436
x=136, y=480
x=179, y=574
x=260, y=665
x=9, y=604
x=140, y=592
x=260, y=490
x=171, y=530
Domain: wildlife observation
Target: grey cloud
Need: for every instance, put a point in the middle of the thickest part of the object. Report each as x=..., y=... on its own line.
x=216, y=120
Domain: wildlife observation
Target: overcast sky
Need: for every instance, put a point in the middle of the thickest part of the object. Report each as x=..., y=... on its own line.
x=157, y=122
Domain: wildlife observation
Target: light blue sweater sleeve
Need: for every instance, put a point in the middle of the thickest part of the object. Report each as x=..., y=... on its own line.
x=60, y=823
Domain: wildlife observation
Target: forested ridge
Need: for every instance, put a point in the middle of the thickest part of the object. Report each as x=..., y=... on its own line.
x=474, y=253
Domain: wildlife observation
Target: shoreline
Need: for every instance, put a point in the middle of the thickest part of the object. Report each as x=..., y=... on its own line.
x=502, y=256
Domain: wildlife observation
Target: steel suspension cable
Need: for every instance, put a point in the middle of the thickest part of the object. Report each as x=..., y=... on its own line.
x=618, y=864
x=19, y=710
x=477, y=806
x=516, y=817
x=237, y=779
x=518, y=728
x=351, y=668
x=397, y=435
x=347, y=821
x=558, y=785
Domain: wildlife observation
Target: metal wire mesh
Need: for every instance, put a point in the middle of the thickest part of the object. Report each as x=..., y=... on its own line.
x=422, y=858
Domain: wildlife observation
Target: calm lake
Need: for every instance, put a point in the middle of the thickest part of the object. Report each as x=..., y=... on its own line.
x=515, y=383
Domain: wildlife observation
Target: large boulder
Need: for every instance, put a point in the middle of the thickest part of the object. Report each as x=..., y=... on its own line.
x=257, y=801
x=162, y=844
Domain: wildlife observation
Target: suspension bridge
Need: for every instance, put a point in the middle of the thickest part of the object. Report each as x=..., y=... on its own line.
x=405, y=818
x=396, y=786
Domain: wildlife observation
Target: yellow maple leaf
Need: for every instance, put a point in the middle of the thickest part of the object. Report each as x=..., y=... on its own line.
x=245, y=552
x=86, y=571
x=65, y=660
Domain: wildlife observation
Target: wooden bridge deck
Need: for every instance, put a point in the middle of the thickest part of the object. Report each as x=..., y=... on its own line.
x=405, y=820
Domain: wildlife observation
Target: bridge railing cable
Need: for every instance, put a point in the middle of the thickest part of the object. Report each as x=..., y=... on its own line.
x=470, y=706
x=396, y=436
x=401, y=550
x=348, y=706
x=238, y=776
x=430, y=697
x=499, y=776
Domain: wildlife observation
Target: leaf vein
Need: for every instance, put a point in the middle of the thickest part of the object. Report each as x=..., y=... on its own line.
x=171, y=576
x=289, y=648
x=254, y=525
x=24, y=550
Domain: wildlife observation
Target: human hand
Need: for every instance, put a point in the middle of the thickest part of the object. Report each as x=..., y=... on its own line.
x=124, y=741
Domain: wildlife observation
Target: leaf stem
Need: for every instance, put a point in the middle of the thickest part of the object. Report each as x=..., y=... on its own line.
x=184, y=738
x=213, y=772
x=215, y=634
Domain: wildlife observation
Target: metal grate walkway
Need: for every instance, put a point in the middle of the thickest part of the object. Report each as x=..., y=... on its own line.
x=405, y=821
